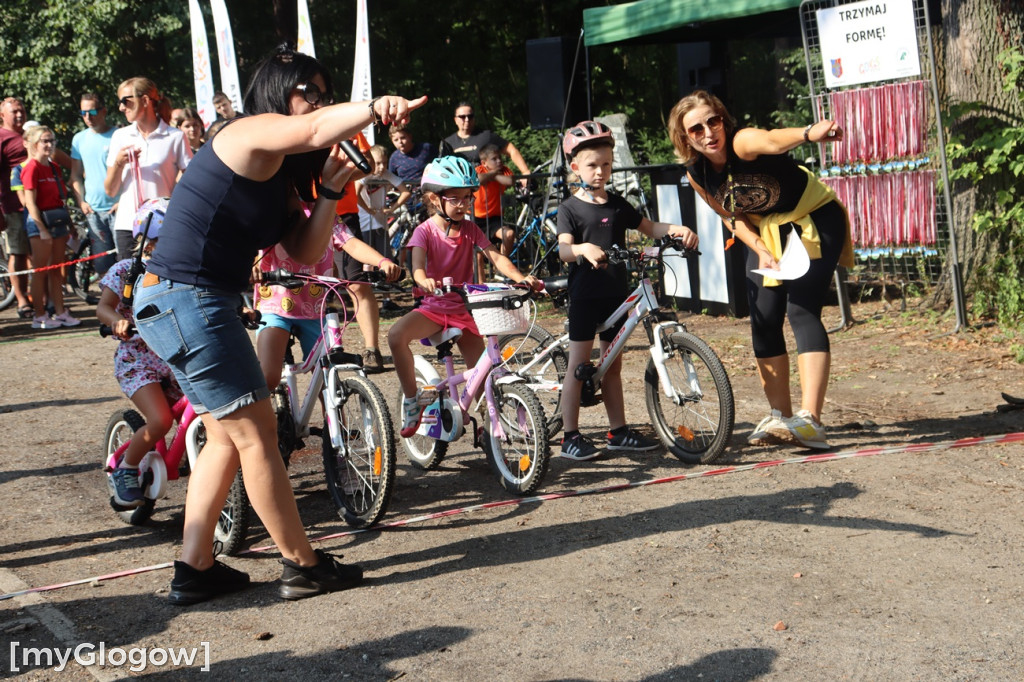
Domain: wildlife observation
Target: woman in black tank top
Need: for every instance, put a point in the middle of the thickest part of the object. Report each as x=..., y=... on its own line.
x=745, y=175
x=244, y=194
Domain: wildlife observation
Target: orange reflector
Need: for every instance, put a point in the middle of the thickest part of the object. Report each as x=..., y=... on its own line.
x=684, y=433
x=524, y=463
x=376, y=461
x=508, y=351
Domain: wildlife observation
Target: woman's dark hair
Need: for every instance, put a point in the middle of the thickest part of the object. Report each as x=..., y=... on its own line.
x=269, y=90
x=276, y=76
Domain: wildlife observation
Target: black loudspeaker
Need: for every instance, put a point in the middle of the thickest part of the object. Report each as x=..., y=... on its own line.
x=549, y=72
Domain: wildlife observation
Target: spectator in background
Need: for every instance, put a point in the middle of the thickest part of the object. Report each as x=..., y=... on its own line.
x=495, y=178
x=467, y=143
x=146, y=157
x=409, y=158
x=89, y=151
x=222, y=105
x=192, y=127
x=12, y=153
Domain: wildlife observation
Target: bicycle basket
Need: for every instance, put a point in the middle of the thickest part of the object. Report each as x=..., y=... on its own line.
x=492, y=317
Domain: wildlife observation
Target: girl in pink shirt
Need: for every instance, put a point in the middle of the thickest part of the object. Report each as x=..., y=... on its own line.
x=443, y=246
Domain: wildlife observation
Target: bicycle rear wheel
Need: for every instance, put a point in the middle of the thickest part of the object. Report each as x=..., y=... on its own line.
x=81, y=277
x=6, y=290
x=422, y=451
x=520, y=458
x=695, y=422
x=120, y=428
x=361, y=471
x=545, y=378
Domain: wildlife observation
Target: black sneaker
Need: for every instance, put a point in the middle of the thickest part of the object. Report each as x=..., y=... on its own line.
x=632, y=440
x=329, y=575
x=580, y=448
x=191, y=586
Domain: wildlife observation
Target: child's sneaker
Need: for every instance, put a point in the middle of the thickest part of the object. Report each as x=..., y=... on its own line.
x=125, y=486
x=579, y=447
x=809, y=433
x=412, y=410
x=66, y=320
x=329, y=575
x=632, y=440
x=44, y=321
x=191, y=586
x=770, y=430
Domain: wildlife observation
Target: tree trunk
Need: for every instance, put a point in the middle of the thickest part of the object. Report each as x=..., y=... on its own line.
x=974, y=32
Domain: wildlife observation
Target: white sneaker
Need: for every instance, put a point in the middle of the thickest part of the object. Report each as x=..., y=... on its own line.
x=44, y=322
x=66, y=320
x=769, y=430
x=809, y=433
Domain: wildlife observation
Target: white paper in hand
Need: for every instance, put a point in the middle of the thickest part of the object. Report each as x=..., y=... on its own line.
x=794, y=262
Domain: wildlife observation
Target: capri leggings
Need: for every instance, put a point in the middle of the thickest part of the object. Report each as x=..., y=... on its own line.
x=800, y=299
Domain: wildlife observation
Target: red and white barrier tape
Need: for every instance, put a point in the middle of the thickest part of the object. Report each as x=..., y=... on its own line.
x=58, y=265
x=808, y=459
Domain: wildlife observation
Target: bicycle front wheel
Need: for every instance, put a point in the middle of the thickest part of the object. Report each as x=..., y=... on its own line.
x=361, y=469
x=120, y=428
x=520, y=456
x=695, y=420
x=544, y=377
x=81, y=277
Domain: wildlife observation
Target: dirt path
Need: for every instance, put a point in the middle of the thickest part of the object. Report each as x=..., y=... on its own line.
x=901, y=566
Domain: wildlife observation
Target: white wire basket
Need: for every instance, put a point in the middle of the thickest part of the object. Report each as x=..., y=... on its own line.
x=491, y=316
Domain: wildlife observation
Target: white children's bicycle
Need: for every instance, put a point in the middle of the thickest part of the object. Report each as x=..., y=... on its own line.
x=688, y=394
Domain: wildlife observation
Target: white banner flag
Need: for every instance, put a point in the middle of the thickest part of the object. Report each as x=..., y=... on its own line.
x=305, y=38
x=226, y=52
x=201, y=64
x=361, y=89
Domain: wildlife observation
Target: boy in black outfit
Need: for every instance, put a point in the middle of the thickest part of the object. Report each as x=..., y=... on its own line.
x=590, y=221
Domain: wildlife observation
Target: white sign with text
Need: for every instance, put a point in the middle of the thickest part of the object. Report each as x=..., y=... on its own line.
x=863, y=42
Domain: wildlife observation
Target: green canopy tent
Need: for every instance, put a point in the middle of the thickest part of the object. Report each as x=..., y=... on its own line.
x=653, y=21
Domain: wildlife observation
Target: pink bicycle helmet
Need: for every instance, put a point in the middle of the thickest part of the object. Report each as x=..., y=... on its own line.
x=585, y=134
x=150, y=217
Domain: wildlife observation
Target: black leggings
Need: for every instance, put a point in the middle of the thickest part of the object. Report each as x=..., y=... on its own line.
x=801, y=299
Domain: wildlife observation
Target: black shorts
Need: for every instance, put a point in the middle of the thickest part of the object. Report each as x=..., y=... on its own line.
x=586, y=315
x=489, y=226
x=350, y=267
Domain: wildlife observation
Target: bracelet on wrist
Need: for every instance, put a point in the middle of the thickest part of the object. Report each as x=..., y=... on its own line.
x=807, y=133
x=326, y=193
x=383, y=261
x=374, y=117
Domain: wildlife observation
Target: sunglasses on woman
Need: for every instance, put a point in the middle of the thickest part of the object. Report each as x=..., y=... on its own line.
x=312, y=93
x=712, y=123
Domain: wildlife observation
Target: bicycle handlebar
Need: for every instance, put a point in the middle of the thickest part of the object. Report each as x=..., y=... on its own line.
x=617, y=254
x=286, y=278
x=106, y=330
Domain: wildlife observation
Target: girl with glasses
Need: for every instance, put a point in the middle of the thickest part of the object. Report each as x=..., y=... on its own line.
x=765, y=198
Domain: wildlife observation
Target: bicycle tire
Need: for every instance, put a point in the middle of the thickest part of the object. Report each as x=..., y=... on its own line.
x=81, y=277
x=517, y=350
x=521, y=458
x=698, y=429
x=361, y=475
x=235, y=516
x=422, y=451
x=6, y=289
x=287, y=442
x=120, y=428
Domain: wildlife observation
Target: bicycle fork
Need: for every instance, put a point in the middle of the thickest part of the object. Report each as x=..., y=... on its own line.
x=659, y=342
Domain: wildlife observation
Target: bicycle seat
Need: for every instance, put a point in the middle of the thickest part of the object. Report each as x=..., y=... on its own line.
x=555, y=284
x=449, y=334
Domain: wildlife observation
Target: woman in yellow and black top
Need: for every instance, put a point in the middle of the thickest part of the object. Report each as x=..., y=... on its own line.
x=765, y=198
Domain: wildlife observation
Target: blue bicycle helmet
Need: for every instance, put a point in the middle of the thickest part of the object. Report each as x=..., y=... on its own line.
x=449, y=172
x=150, y=217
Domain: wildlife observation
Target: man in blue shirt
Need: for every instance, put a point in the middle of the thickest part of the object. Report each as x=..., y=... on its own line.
x=89, y=149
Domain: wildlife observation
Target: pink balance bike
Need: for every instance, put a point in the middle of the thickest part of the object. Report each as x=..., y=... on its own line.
x=165, y=464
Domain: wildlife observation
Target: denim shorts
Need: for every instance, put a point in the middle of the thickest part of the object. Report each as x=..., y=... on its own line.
x=308, y=331
x=197, y=331
x=32, y=229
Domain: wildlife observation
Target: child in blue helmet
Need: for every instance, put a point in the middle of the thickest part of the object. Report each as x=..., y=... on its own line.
x=143, y=376
x=443, y=246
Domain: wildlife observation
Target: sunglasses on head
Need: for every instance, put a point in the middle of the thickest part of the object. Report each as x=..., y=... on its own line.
x=90, y=112
x=713, y=123
x=312, y=93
